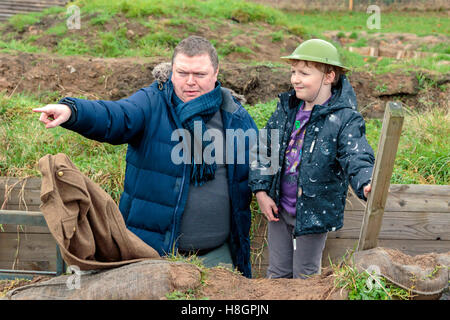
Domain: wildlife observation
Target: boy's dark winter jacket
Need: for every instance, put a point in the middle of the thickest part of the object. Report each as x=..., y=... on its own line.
x=335, y=153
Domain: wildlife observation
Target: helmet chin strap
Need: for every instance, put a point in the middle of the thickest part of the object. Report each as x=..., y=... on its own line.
x=318, y=91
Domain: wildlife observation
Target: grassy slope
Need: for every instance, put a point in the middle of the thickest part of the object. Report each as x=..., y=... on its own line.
x=423, y=156
x=165, y=21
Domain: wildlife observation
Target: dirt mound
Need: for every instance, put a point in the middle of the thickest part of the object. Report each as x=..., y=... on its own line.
x=113, y=79
x=222, y=284
x=116, y=78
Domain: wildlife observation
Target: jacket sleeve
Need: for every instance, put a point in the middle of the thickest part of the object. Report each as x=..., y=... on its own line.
x=355, y=155
x=115, y=122
x=261, y=171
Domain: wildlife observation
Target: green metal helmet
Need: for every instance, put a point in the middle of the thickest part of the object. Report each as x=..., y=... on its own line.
x=317, y=50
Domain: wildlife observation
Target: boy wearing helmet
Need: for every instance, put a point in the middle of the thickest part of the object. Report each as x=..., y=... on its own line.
x=322, y=149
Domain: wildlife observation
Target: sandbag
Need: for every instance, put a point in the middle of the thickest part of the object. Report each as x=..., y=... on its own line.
x=149, y=279
x=426, y=274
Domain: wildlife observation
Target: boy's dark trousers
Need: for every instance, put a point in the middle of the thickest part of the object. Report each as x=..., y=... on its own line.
x=284, y=261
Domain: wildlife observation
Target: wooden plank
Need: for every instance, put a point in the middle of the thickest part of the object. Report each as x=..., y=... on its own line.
x=30, y=183
x=22, y=218
x=382, y=172
x=35, y=251
x=22, y=194
x=23, y=229
x=337, y=248
x=399, y=225
x=32, y=208
x=29, y=197
x=395, y=225
x=409, y=197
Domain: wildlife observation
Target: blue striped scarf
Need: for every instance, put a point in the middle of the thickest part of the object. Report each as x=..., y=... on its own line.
x=200, y=109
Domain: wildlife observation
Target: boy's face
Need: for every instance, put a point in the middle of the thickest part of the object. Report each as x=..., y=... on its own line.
x=307, y=81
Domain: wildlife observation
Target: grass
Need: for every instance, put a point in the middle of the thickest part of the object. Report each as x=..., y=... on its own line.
x=366, y=285
x=25, y=141
x=181, y=18
x=21, y=21
x=422, y=24
x=423, y=156
x=191, y=294
x=241, y=10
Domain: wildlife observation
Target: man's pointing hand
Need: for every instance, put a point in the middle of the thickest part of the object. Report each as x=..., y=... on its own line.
x=52, y=115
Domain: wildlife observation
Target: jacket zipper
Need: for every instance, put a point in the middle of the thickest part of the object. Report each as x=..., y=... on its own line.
x=172, y=239
x=311, y=149
x=313, y=144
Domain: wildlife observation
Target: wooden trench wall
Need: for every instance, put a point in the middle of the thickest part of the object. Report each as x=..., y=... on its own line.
x=416, y=221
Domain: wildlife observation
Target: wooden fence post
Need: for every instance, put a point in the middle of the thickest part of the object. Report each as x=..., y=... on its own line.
x=381, y=176
x=350, y=5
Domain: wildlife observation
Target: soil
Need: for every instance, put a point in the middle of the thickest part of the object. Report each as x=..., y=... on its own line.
x=424, y=261
x=116, y=78
x=7, y=285
x=222, y=284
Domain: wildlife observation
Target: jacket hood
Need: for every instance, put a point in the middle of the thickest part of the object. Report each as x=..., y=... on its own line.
x=162, y=71
x=343, y=97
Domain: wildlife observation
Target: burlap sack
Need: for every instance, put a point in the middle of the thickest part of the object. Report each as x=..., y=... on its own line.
x=149, y=279
x=426, y=274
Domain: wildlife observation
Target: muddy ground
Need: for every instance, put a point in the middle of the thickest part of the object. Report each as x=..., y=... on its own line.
x=116, y=78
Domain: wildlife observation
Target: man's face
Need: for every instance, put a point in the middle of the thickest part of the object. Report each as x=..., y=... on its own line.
x=193, y=76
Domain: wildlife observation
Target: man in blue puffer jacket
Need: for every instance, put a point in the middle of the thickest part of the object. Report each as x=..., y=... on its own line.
x=188, y=206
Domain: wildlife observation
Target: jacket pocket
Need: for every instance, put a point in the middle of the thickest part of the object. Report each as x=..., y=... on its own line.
x=313, y=190
x=69, y=225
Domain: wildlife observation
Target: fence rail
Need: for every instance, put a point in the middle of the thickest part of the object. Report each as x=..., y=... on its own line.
x=357, y=5
x=8, y=8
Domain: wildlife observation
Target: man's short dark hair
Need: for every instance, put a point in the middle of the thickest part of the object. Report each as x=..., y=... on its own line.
x=195, y=46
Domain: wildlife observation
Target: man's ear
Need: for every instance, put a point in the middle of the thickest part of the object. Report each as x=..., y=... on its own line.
x=217, y=73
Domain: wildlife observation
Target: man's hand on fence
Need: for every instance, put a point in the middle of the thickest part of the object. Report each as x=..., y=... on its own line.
x=52, y=115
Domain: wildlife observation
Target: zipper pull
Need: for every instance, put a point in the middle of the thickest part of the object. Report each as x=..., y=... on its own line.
x=294, y=242
x=311, y=149
x=312, y=145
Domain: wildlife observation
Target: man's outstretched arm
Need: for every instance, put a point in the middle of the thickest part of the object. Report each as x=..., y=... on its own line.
x=115, y=122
